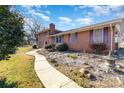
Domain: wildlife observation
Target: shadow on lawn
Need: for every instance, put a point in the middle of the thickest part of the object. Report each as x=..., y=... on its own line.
x=5, y=84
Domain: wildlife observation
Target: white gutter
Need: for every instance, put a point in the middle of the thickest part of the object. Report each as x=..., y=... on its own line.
x=111, y=44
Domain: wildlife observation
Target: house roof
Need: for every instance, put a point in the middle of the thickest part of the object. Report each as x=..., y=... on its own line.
x=46, y=30
x=91, y=27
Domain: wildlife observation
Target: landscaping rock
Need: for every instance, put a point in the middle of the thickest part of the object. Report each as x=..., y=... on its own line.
x=93, y=77
x=100, y=60
x=94, y=67
x=92, y=56
x=88, y=75
x=119, y=80
x=120, y=64
x=82, y=70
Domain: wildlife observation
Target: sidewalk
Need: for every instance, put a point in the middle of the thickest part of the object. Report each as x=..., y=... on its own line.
x=49, y=76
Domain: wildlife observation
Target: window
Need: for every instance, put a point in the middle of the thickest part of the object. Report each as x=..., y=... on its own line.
x=58, y=39
x=98, y=36
x=73, y=38
x=61, y=40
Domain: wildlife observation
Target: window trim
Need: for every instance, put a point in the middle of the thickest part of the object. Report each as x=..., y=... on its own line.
x=58, y=39
x=71, y=39
x=94, y=36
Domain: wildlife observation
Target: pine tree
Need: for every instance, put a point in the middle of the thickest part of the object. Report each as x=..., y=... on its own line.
x=11, y=31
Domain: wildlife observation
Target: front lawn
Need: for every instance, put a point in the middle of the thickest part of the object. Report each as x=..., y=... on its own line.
x=18, y=71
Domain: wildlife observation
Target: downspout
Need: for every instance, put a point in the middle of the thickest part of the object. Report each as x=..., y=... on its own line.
x=111, y=44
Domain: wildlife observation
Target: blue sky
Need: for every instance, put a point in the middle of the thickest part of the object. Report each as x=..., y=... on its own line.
x=67, y=17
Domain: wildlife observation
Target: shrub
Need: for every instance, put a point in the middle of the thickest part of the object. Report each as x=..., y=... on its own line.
x=62, y=47
x=12, y=51
x=34, y=46
x=74, y=56
x=50, y=47
x=98, y=47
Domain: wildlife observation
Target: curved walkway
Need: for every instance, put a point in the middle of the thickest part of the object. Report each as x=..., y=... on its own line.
x=49, y=76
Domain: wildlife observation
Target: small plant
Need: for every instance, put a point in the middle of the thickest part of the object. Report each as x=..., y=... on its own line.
x=50, y=47
x=74, y=56
x=98, y=48
x=34, y=46
x=62, y=47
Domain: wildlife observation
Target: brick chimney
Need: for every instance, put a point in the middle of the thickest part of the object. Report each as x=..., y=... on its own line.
x=52, y=27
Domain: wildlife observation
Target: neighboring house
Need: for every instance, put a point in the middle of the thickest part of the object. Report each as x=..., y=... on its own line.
x=108, y=33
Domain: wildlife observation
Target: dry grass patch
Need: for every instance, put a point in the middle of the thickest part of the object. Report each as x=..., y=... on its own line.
x=72, y=73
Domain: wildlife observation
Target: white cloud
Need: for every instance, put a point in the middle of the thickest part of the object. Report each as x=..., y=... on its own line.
x=48, y=12
x=99, y=10
x=76, y=8
x=28, y=7
x=46, y=18
x=31, y=6
x=65, y=20
x=115, y=7
x=105, y=10
x=36, y=12
x=85, y=21
x=83, y=6
x=120, y=15
x=45, y=6
x=33, y=12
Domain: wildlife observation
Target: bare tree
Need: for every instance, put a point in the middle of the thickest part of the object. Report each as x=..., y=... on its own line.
x=34, y=26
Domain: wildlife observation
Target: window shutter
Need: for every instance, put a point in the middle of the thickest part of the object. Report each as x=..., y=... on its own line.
x=105, y=39
x=91, y=37
x=69, y=38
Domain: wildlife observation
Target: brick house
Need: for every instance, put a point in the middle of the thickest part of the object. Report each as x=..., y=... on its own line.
x=43, y=36
x=109, y=33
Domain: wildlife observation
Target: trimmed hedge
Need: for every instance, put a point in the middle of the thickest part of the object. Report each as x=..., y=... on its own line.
x=50, y=47
x=62, y=47
x=59, y=47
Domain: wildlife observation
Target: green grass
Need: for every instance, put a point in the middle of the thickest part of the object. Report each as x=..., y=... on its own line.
x=74, y=56
x=18, y=71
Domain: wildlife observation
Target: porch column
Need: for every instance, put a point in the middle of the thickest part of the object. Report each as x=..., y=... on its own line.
x=111, y=43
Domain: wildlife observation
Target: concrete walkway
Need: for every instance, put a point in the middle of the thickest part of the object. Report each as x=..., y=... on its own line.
x=49, y=76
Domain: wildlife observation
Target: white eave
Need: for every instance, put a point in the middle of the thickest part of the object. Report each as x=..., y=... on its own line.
x=91, y=27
